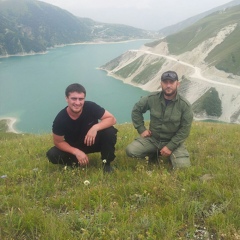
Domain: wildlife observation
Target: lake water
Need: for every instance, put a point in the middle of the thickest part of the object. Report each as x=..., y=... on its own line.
x=32, y=87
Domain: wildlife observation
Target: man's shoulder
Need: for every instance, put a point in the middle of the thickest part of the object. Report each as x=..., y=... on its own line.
x=90, y=104
x=153, y=95
x=184, y=100
x=92, y=108
x=62, y=114
x=149, y=97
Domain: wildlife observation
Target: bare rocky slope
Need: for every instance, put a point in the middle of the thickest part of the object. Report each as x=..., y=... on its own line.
x=189, y=65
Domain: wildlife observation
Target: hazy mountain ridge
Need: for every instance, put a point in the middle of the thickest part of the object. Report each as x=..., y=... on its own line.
x=189, y=21
x=30, y=26
x=199, y=54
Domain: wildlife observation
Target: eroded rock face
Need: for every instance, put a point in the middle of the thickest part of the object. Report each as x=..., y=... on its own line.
x=195, y=75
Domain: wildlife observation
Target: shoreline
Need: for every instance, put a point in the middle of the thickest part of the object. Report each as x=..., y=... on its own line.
x=121, y=79
x=10, y=121
x=68, y=44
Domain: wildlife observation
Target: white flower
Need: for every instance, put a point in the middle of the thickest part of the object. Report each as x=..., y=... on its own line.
x=65, y=168
x=104, y=161
x=86, y=182
x=4, y=176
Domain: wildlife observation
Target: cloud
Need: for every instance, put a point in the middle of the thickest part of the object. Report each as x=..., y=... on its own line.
x=146, y=14
x=102, y=4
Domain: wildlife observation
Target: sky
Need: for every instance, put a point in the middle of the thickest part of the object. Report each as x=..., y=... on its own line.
x=145, y=14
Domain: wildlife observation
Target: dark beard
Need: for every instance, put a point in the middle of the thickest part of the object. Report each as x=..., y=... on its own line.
x=169, y=94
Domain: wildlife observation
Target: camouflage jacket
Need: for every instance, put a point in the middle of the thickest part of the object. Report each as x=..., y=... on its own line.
x=169, y=122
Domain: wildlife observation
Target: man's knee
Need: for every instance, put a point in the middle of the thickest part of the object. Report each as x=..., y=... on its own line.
x=56, y=156
x=109, y=134
x=137, y=149
x=129, y=150
x=180, y=162
x=52, y=155
x=180, y=158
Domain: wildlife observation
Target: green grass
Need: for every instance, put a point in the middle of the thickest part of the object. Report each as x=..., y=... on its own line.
x=43, y=201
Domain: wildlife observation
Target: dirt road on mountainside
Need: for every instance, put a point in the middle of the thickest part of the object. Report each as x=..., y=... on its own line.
x=197, y=71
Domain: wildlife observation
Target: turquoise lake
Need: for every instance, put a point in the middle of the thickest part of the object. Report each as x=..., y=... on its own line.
x=32, y=87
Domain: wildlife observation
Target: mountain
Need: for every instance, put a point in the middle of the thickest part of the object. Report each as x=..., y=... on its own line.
x=28, y=26
x=188, y=22
x=206, y=55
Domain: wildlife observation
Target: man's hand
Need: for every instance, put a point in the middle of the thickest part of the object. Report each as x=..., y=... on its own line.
x=91, y=136
x=146, y=133
x=165, y=152
x=81, y=157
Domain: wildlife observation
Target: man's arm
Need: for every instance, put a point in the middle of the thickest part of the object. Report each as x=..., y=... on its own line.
x=61, y=144
x=107, y=120
x=137, y=116
x=183, y=131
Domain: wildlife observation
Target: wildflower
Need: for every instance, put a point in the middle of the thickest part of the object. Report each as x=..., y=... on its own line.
x=104, y=161
x=149, y=173
x=86, y=182
x=65, y=168
x=35, y=169
x=4, y=176
x=113, y=204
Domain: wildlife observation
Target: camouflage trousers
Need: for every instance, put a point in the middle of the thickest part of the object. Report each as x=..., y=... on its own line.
x=150, y=147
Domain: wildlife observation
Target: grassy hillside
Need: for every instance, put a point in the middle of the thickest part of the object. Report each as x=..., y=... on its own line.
x=43, y=201
x=226, y=55
x=189, y=21
x=28, y=26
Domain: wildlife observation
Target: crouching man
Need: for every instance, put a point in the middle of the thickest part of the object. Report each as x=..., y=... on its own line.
x=80, y=128
x=171, y=117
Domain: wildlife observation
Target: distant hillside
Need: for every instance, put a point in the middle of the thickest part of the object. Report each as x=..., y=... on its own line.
x=226, y=54
x=188, y=22
x=28, y=26
x=206, y=55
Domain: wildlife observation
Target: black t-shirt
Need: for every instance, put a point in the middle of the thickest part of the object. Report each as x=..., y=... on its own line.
x=74, y=131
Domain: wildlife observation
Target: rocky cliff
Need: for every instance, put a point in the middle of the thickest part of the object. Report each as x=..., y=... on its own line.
x=143, y=68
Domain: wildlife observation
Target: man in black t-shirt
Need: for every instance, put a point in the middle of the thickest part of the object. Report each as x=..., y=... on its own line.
x=80, y=128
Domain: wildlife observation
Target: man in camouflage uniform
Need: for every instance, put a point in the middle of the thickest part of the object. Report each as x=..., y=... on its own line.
x=171, y=117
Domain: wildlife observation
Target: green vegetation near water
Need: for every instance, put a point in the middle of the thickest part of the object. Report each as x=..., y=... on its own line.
x=40, y=200
x=210, y=103
x=144, y=76
x=149, y=72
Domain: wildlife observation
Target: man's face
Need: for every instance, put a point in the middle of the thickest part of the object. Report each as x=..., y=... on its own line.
x=169, y=88
x=75, y=101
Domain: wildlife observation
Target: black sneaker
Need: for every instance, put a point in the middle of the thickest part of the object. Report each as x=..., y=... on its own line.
x=107, y=168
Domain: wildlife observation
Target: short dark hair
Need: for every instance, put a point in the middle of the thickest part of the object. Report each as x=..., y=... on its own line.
x=75, y=87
